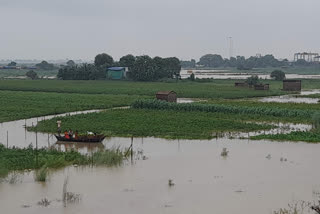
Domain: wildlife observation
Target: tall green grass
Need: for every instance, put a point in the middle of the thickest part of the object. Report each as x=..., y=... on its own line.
x=15, y=159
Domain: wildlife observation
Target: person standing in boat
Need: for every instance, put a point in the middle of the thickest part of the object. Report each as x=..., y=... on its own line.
x=66, y=134
x=76, y=135
x=70, y=134
x=59, y=127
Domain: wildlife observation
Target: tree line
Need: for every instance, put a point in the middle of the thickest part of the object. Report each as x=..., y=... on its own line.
x=241, y=63
x=141, y=68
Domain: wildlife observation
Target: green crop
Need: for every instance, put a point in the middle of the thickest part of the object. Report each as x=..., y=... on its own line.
x=23, y=105
x=221, y=108
x=156, y=123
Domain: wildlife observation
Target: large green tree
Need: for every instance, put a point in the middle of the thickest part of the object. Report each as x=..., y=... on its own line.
x=172, y=67
x=127, y=61
x=71, y=63
x=12, y=64
x=103, y=60
x=144, y=69
x=44, y=65
x=278, y=75
x=32, y=74
x=211, y=61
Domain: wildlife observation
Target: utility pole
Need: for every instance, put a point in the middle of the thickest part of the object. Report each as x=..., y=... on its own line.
x=230, y=43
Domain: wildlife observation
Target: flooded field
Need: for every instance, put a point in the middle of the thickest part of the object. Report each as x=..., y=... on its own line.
x=223, y=74
x=256, y=176
x=252, y=178
x=294, y=98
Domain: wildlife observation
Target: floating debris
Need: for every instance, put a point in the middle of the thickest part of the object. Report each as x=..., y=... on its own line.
x=128, y=190
x=170, y=183
x=224, y=152
x=268, y=156
x=44, y=202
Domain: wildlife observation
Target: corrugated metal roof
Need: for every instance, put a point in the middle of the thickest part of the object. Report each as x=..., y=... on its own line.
x=116, y=68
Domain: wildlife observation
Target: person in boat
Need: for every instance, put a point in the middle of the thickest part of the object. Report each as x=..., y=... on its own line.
x=66, y=134
x=76, y=135
x=70, y=134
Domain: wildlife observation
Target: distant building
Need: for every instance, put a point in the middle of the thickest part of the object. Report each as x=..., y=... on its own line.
x=241, y=84
x=262, y=87
x=117, y=73
x=292, y=85
x=169, y=96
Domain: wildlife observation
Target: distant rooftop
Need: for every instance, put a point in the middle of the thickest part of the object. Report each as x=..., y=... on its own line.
x=116, y=68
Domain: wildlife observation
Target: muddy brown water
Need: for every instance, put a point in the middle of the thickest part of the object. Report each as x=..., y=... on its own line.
x=244, y=182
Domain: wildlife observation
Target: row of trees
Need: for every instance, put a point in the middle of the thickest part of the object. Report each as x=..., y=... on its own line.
x=240, y=62
x=141, y=68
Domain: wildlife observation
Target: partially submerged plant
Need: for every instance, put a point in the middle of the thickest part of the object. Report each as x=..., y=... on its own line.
x=224, y=152
x=44, y=202
x=69, y=197
x=41, y=174
x=299, y=207
x=316, y=121
x=13, y=178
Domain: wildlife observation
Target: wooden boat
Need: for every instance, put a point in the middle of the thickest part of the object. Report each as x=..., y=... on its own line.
x=82, y=138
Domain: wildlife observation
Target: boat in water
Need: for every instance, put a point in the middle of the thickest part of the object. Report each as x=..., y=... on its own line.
x=82, y=138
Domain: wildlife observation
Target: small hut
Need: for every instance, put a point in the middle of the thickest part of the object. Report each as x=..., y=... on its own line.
x=241, y=84
x=169, y=96
x=292, y=85
x=262, y=87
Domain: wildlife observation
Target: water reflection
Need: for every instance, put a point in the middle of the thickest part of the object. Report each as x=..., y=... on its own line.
x=83, y=148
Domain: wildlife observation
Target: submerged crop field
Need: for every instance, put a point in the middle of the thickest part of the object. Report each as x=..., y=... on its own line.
x=21, y=105
x=153, y=123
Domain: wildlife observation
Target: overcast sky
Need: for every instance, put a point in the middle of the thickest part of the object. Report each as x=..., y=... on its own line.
x=80, y=29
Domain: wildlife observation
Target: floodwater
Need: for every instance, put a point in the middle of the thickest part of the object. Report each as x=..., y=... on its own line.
x=223, y=74
x=256, y=177
x=294, y=98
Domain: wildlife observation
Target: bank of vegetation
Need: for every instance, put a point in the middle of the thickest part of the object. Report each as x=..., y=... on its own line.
x=22, y=105
x=17, y=159
x=223, y=108
x=154, y=123
x=312, y=136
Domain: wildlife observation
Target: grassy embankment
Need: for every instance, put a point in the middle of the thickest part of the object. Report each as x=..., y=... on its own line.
x=20, y=105
x=15, y=159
